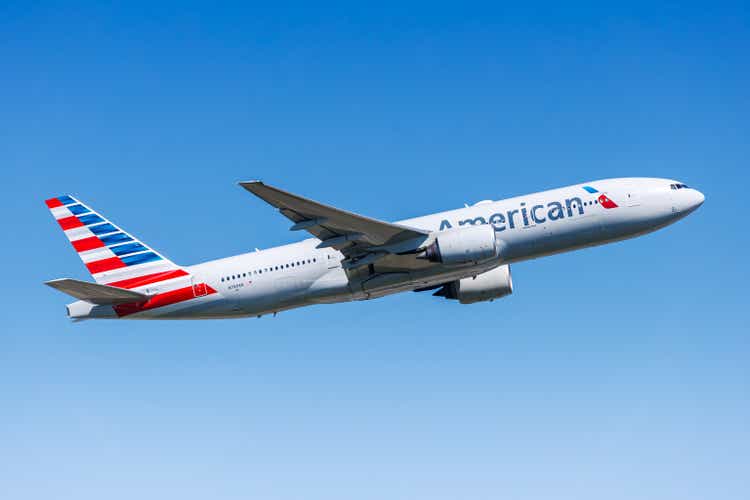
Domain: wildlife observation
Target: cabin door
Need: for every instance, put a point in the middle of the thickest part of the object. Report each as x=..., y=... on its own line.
x=633, y=199
x=199, y=289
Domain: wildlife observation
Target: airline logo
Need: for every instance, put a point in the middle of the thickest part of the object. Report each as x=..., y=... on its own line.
x=604, y=201
x=525, y=216
x=101, y=245
x=116, y=258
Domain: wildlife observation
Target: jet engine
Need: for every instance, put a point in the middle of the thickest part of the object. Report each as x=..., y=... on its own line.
x=490, y=285
x=463, y=245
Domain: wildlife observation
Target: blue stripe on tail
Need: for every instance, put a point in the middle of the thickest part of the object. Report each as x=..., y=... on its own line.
x=140, y=258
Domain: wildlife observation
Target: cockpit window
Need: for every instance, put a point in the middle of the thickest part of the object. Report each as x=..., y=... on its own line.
x=679, y=186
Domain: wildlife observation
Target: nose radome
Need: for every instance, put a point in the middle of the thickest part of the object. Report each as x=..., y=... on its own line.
x=697, y=198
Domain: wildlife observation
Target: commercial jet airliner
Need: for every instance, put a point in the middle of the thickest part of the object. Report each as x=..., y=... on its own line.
x=462, y=254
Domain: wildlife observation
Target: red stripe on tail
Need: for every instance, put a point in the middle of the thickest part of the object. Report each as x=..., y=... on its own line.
x=69, y=222
x=99, y=266
x=160, y=300
x=147, y=279
x=87, y=244
x=53, y=203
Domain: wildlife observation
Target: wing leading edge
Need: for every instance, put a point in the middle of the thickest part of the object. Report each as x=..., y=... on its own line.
x=361, y=239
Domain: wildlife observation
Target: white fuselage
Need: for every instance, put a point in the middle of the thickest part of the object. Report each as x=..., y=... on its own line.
x=530, y=226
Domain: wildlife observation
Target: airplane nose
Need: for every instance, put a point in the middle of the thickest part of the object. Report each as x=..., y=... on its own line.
x=696, y=199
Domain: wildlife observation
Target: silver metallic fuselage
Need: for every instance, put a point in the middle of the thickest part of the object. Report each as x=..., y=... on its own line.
x=529, y=227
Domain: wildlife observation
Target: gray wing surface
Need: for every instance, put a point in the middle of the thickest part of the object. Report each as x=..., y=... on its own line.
x=361, y=239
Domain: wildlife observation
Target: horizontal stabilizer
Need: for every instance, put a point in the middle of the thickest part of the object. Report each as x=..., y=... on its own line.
x=95, y=293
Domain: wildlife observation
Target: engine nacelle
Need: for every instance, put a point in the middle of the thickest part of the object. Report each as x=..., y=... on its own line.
x=463, y=245
x=486, y=286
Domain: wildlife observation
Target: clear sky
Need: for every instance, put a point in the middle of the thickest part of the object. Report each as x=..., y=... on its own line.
x=618, y=372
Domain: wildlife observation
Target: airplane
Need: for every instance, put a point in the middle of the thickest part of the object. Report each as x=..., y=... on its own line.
x=463, y=254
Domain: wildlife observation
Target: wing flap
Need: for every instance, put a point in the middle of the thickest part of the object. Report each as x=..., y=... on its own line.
x=95, y=293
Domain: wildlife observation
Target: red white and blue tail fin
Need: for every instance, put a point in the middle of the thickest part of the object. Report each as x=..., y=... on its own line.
x=112, y=256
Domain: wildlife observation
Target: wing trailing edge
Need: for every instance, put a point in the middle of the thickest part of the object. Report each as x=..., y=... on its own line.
x=353, y=234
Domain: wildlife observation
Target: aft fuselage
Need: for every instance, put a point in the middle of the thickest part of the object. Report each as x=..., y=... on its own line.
x=530, y=226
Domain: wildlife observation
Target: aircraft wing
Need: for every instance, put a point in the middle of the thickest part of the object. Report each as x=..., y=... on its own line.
x=361, y=239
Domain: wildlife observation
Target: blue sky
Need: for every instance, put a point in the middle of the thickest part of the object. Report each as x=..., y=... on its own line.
x=617, y=372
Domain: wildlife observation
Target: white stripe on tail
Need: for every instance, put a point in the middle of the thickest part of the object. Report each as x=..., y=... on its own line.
x=111, y=255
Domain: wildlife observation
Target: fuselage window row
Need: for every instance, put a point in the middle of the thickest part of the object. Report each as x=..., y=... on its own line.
x=269, y=269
